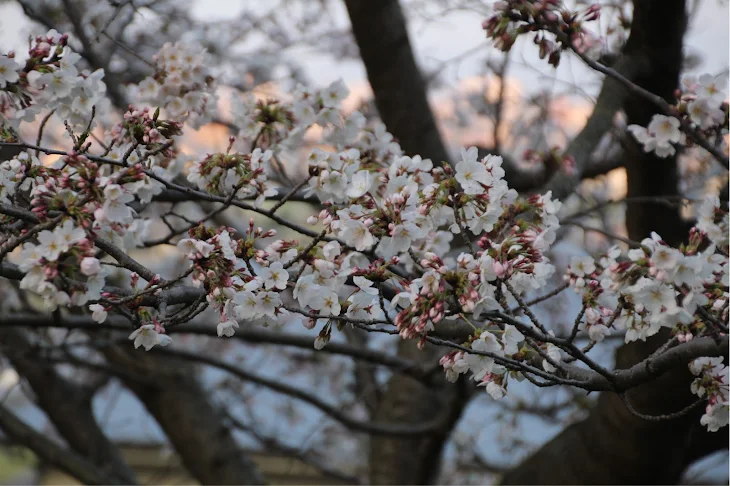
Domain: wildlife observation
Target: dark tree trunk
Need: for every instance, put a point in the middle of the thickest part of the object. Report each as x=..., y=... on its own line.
x=612, y=446
x=400, y=91
x=400, y=96
x=196, y=428
x=397, y=460
x=67, y=405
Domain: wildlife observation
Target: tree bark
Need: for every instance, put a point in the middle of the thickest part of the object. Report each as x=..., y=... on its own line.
x=400, y=91
x=613, y=446
x=415, y=460
x=400, y=94
x=181, y=406
x=67, y=405
x=52, y=453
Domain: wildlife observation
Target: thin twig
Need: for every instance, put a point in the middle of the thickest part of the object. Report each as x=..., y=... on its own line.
x=663, y=417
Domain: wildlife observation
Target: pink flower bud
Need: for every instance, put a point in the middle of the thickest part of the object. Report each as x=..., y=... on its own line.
x=499, y=269
x=592, y=315
x=550, y=16
x=90, y=266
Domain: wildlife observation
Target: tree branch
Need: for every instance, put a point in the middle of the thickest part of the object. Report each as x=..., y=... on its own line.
x=52, y=453
x=610, y=101
x=247, y=334
x=68, y=407
x=365, y=382
x=181, y=406
x=273, y=444
x=381, y=34
x=376, y=428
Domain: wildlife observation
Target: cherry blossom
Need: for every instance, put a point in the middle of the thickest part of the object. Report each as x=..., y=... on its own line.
x=148, y=337
x=471, y=174
x=227, y=328
x=379, y=253
x=90, y=266
x=274, y=276
x=98, y=312
x=699, y=105
x=8, y=71
x=712, y=382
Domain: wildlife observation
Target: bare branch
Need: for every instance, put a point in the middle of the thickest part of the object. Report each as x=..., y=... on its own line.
x=195, y=427
x=332, y=411
x=67, y=406
x=52, y=453
x=658, y=418
x=609, y=102
x=365, y=382
x=273, y=444
x=247, y=334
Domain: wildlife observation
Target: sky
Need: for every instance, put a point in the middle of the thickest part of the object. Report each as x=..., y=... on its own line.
x=435, y=40
x=444, y=37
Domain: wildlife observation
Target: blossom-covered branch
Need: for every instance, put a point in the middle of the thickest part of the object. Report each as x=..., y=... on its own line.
x=383, y=226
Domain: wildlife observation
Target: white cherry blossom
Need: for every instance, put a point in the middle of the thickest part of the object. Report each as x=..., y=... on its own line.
x=147, y=337
x=227, y=328
x=274, y=276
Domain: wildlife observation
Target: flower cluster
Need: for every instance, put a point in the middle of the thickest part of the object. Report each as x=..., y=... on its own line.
x=85, y=206
x=149, y=336
x=374, y=143
x=513, y=18
x=660, y=136
x=485, y=191
x=380, y=204
x=144, y=139
x=62, y=267
x=713, y=221
x=481, y=363
x=19, y=174
x=656, y=286
x=337, y=177
x=328, y=272
x=84, y=201
x=712, y=382
x=269, y=123
x=234, y=175
x=319, y=106
x=703, y=100
x=182, y=84
x=223, y=266
x=49, y=80
x=701, y=105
